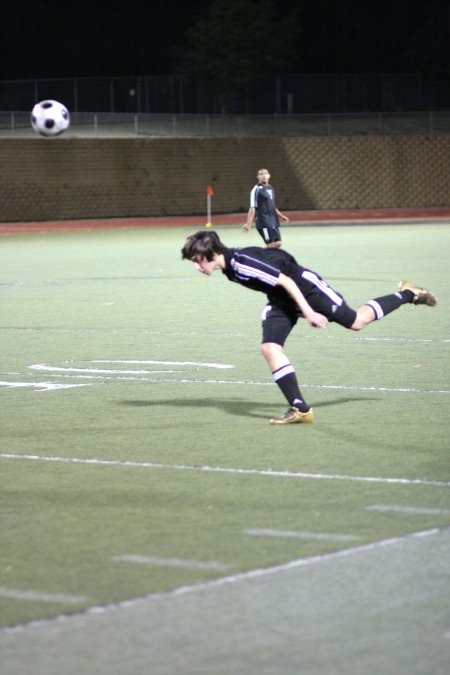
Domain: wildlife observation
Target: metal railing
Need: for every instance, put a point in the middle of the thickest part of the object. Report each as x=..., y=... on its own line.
x=153, y=125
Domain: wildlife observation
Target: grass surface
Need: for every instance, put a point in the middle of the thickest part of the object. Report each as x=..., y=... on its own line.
x=120, y=314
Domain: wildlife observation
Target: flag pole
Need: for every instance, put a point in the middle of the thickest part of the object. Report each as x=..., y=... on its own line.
x=209, y=194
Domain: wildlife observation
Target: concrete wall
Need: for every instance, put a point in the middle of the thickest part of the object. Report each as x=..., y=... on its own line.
x=71, y=178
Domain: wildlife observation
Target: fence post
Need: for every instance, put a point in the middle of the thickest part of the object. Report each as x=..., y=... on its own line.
x=111, y=94
x=75, y=94
x=277, y=94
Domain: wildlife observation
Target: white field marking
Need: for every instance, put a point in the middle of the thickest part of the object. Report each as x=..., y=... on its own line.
x=20, y=594
x=387, y=508
x=228, y=470
x=396, y=390
x=171, y=562
x=200, y=364
x=67, y=369
x=97, y=373
x=41, y=386
x=214, y=335
x=376, y=339
x=222, y=581
x=293, y=534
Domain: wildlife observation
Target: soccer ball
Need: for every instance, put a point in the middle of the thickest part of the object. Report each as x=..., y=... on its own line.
x=50, y=118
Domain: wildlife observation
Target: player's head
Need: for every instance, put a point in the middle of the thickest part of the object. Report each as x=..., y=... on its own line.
x=263, y=175
x=202, y=245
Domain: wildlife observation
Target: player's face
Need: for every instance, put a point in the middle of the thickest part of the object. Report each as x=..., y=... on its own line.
x=263, y=176
x=205, y=266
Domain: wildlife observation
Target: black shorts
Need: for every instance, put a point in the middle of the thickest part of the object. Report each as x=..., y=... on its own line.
x=277, y=324
x=326, y=300
x=269, y=234
x=278, y=321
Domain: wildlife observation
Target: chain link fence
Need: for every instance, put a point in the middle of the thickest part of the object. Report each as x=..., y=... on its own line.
x=290, y=94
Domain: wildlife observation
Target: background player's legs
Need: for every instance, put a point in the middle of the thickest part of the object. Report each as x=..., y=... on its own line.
x=271, y=236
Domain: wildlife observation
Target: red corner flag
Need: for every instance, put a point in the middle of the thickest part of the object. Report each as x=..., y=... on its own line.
x=210, y=191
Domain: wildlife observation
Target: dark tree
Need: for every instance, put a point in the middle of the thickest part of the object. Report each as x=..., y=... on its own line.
x=240, y=41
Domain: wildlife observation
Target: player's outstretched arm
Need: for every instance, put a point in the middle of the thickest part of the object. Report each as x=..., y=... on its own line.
x=313, y=318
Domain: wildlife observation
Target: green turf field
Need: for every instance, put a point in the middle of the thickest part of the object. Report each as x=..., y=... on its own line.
x=136, y=455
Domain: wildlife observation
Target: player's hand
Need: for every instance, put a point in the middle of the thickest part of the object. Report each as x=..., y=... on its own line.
x=285, y=218
x=317, y=320
x=246, y=227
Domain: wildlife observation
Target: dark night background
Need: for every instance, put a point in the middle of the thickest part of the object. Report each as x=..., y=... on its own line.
x=59, y=39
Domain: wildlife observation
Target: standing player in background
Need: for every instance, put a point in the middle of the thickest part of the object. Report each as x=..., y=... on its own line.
x=263, y=211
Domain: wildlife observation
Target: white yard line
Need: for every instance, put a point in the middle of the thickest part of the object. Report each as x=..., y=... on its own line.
x=394, y=508
x=294, y=534
x=200, y=364
x=366, y=338
x=95, y=374
x=227, y=470
x=38, y=596
x=97, y=371
x=171, y=562
x=142, y=376
x=213, y=335
x=40, y=386
x=230, y=579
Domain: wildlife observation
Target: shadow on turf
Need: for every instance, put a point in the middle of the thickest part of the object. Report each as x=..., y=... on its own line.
x=231, y=406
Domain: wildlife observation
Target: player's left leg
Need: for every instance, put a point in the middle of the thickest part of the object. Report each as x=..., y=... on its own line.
x=276, y=327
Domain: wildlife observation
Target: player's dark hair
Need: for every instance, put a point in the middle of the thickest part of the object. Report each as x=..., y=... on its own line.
x=203, y=244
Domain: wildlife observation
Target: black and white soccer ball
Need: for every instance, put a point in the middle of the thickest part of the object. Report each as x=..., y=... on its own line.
x=50, y=118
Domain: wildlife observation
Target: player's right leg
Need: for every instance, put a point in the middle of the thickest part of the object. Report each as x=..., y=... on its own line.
x=379, y=307
x=422, y=296
x=331, y=303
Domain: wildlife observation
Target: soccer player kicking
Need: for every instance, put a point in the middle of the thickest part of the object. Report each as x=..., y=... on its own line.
x=292, y=291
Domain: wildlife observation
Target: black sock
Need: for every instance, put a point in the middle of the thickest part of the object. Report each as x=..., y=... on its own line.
x=389, y=303
x=286, y=379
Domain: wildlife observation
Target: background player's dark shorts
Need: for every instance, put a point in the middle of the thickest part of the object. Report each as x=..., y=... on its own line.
x=277, y=323
x=269, y=234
